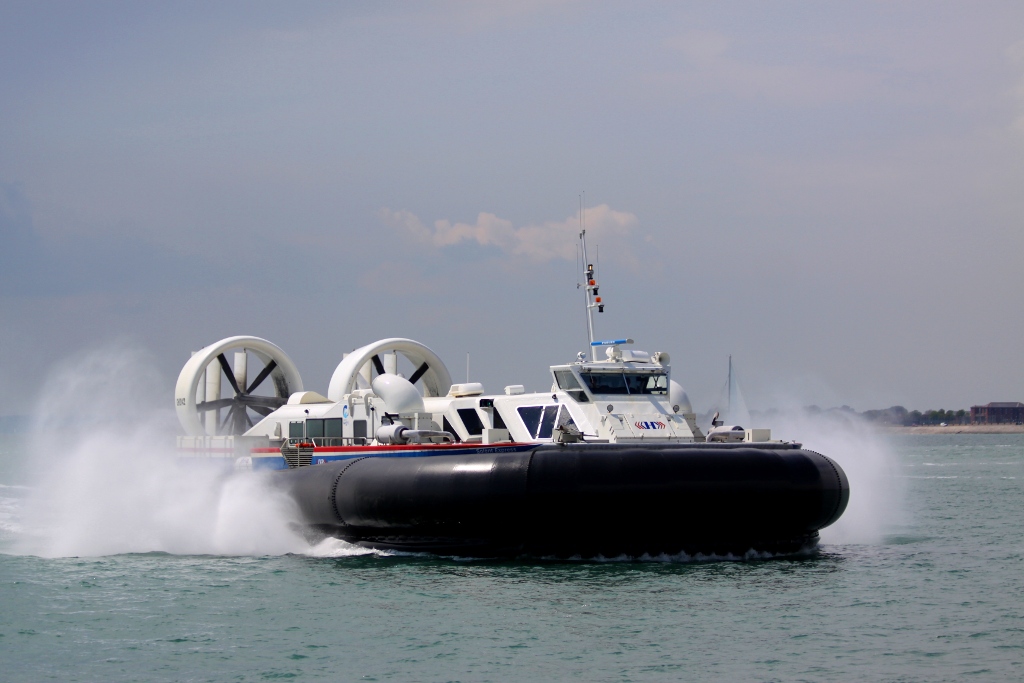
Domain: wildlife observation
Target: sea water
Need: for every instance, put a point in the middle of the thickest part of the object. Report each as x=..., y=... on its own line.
x=933, y=592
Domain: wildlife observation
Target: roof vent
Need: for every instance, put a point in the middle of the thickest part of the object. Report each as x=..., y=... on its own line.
x=466, y=389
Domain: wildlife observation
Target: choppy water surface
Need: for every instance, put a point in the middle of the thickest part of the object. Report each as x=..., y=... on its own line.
x=939, y=597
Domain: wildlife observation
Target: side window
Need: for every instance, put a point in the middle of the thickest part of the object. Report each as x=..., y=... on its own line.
x=332, y=427
x=657, y=384
x=359, y=429
x=540, y=421
x=567, y=382
x=498, y=422
x=531, y=417
x=295, y=430
x=471, y=419
x=314, y=428
x=451, y=430
x=565, y=419
x=547, y=422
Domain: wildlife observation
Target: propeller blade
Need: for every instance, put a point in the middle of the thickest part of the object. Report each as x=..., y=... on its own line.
x=262, y=410
x=264, y=373
x=272, y=402
x=420, y=371
x=229, y=372
x=215, y=405
x=248, y=420
x=228, y=419
x=378, y=364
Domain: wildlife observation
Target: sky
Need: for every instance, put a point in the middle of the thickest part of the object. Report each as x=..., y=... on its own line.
x=832, y=193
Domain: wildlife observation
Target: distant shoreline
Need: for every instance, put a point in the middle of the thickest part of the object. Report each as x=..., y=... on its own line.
x=954, y=429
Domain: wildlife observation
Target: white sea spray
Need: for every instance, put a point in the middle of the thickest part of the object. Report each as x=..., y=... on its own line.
x=105, y=479
x=877, y=492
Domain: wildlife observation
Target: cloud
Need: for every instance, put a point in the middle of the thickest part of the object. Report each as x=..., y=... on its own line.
x=537, y=242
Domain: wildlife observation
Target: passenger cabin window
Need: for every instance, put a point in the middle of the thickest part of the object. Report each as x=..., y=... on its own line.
x=359, y=430
x=604, y=382
x=567, y=382
x=314, y=428
x=332, y=427
x=540, y=421
x=547, y=422
x=471, y=419
x=451, y=430
x=531, y=417
x=295, y=430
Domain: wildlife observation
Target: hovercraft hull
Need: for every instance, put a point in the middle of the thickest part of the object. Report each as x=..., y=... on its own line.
x=579, y=500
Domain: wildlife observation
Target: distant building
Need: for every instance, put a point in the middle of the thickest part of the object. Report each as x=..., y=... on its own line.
x=998, y=413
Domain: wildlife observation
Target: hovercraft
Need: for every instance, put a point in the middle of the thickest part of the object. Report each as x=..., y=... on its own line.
x=610, y=462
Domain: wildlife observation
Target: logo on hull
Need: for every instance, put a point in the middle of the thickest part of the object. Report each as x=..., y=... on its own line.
x=650, y=425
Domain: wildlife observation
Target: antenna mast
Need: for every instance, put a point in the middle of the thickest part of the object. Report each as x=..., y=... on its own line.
x=590, y=291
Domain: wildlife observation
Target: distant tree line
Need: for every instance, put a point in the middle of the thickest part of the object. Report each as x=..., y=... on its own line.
x=898, y=415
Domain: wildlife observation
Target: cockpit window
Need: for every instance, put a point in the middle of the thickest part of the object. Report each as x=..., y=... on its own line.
x=604, y=382
x=567, y=382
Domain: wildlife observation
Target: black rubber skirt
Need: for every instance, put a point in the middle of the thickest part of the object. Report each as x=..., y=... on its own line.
x=580, y=500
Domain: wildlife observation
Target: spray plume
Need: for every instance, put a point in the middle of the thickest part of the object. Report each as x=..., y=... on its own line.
x=106, y=480
x=876, y=505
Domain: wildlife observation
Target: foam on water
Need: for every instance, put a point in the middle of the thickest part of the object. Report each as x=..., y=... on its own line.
x=335, y=547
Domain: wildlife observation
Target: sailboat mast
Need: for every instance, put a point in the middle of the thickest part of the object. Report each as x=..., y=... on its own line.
x=729, y=404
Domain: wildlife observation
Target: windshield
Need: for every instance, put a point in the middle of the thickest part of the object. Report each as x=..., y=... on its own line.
x=567, y=382
x=625, y=382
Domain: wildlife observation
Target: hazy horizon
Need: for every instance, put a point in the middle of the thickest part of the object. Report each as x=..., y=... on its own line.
x=832, y=194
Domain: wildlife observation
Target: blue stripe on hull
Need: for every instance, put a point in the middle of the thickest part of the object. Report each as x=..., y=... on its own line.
x=319, y=459
x=277, y=462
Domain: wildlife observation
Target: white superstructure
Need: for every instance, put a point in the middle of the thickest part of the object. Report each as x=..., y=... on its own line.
x=628, y=396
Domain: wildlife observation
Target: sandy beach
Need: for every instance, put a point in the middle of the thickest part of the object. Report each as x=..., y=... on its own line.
x=956, y=429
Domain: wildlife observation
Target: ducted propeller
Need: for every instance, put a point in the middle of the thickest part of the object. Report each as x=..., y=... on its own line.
x=201, y=407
